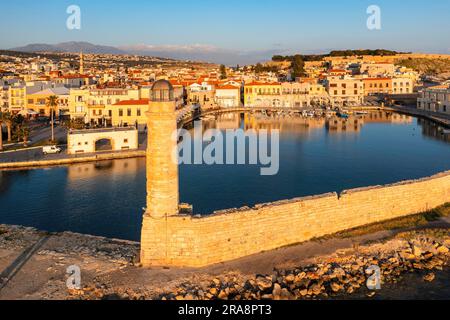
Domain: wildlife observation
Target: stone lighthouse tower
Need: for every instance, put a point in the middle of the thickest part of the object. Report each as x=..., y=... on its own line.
x=162, y=173
x=162, y=170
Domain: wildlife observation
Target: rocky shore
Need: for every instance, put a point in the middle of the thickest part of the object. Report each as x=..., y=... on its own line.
x=111, y=270
x=425, y=252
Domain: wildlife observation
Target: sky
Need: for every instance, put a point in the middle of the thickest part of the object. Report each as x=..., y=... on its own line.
x=239, y=29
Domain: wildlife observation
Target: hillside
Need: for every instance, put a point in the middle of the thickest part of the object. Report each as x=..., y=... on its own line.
x=434, y=67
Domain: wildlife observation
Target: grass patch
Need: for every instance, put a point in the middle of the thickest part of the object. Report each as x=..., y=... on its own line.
x=398, y=223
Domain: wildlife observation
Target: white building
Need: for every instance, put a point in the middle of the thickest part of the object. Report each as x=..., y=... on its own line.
x=402, y=85
x=345, y=90
x=435, y=99
x=228, y=96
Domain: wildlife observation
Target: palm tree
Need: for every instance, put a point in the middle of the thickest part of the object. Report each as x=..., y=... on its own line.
x=25, y=133
x=52, y=103
x=8, y=118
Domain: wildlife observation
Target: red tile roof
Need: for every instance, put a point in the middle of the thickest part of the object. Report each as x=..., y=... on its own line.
x=256, y=83
x=227, y=87
x=140, y=102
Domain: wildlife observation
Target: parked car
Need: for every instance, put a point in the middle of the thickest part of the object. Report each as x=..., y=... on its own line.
x=51, y=150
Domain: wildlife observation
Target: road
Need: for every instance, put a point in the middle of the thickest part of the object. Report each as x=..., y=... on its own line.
x=36, y=154
x=44, y=134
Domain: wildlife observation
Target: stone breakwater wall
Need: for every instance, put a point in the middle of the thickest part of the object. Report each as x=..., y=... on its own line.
x=195, y=241
x=72, y=160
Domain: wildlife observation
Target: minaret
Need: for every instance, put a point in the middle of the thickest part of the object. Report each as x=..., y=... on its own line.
x=162, y=169
x=81, y=63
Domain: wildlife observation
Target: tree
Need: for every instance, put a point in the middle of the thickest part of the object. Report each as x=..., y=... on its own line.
x=223, y=72
x=25, y=133
x=258, y=68
x=298, y=66
x=52, y=103
x=8, y=118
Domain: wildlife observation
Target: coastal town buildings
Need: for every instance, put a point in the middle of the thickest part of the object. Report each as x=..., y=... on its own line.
x=435, y=99
x=373, y=86
x=128, y=113
x=37, y=102
x=345, y=90
x=228, y=96
x=402, y=85
x=262, y=94
x=89, y=105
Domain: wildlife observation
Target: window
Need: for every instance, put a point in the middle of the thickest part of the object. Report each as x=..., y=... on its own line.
x=138, y=112
x=125, y=140
x=129, y=112
x=109, y=113
x=120, y=113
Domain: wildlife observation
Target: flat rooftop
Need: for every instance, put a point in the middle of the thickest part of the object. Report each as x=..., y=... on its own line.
x=102, y=130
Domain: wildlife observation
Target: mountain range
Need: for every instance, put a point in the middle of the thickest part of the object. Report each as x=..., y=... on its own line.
x=70, y=47
x=194, y=52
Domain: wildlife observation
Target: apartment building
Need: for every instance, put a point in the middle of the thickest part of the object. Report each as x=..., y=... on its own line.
x=402, y=85
x=344, y=90
x=228, y=96
x=201, y=93
x=90, y=104
x=127, y=113
x=18, y=93
x=435, y=99
x=258, y=93
x=37, y=102
x=374, y=86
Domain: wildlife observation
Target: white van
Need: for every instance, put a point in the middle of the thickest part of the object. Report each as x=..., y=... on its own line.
x=51, y=150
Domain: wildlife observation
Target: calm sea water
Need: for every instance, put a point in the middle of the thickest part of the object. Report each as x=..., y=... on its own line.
x=107, y=198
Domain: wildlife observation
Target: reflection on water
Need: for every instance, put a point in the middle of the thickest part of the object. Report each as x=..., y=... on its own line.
x=317, y=155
